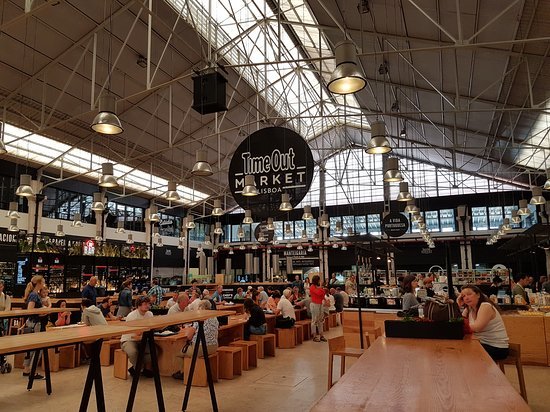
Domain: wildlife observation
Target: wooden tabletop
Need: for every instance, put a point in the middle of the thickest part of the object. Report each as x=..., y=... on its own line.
x=163, y=321
x=17, y=313
x=30, y=341
x=398, y=374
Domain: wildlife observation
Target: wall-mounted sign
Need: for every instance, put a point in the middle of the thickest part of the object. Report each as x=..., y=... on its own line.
x=395, y=224
x=280, y=161
x=295, y=252
x=8, y=237
x=263, y=235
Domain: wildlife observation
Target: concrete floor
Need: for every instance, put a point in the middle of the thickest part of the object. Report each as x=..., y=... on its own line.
x=290, y=382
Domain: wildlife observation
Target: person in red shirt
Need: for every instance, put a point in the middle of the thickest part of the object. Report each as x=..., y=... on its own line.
x=317, y=294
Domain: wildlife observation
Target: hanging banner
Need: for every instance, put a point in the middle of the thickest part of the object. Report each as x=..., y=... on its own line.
x=280, y=161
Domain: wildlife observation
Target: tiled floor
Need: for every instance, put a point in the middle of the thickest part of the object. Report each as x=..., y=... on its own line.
x=290, y=382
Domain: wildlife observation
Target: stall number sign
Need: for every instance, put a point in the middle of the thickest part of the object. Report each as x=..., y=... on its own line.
x=280, y=161
x=395, y=224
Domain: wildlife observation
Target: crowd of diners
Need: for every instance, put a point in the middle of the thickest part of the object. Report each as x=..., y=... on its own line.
x=319, y=300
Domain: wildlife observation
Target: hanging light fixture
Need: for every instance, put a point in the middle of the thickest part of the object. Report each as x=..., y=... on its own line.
x=13, y=225
x=207, y=240
x=316, y=237
x=217, y=210
x=107, y=178
x=77, y=220
x=59, y=232
x=268, y=250
x=378, y=144
x=159, y=242
x=288, y=229
x=416, y=217
x=299, y=247
x=547, y=183
x=344, y=247
x=98, y=237
x=242, y=247
x=106, y=121
x=506, y=225
x=97, y=204
x=523, y=209
x=13, y=212
x=285, y=203
x=391, y=170
x=231, y=251
x=183, y=238
x=310, y=249
x=324, y=220
x=403, y=132
x=421, y=225
x=537, y=198
x=24, y=189
x=156, y=231
x=248, y=217
x=154, y=213
x=270, y=226
x=350, y=231
x=307, y=215
x=130, y=240
x=304, y=234
x=182, y=246
x=226, y=245
x=240, y=232
x=275, y=240
x=120, y=227
x=288, y=245
x=201, y=166
x=411, y=208
x=338, y=228
x=404, y=194
x=515, y=217
x=218, y=228
x=346, y=77
x=172, y=192
x=335, y=245
x=190, y=224
x=249, y=188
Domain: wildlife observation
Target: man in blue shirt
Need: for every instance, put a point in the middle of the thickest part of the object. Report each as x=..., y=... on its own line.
x=89, y=291
x=155, y=293
x=218, y=295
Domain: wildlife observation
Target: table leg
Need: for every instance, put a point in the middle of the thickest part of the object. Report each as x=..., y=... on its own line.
x=155, y=365
x=90, y=378
x=202, y=338
x=95, y=362
x=137, y=368
x=191, y=372
x=33, y=369
x=47, y=371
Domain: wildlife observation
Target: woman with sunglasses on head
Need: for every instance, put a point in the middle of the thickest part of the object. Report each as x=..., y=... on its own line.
x=485, y=321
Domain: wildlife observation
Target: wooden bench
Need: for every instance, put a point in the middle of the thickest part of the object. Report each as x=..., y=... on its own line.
x=230, y=358
x=199, y=376
x=286, y=338
x=250, y=353
x=266, y=344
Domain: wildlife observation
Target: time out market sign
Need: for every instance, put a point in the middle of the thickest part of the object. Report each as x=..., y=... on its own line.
x=280, y=161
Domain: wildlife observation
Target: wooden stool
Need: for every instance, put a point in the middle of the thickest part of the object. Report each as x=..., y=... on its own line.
x=266, y=344
x=298, y=334
x=306, y=330
x=107, y=354
x=514, y=357
x=337, y=347
x=250, y=353
x=332, y=319
x=67, y=357
x=326, y=325
x=286, y=338
x=120, y=370
x=199, y=376
x=371, y=332
x=18, y=360
x=230, y=361
x=53, y=358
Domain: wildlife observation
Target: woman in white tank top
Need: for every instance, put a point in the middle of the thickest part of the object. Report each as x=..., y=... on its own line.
x=485, y=321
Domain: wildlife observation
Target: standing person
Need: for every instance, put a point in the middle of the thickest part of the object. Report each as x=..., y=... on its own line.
x=61, y=318
x=333, y=281
x=484, y=321
x=156, y=293
x=298, y=283
x=350, y=286
x=34, y=323
x=125, y=299
x=316, y=306
x=409, y=300
x=338, y=305
x=522, y=281
x=130, y=342
x=89, y=291
x=255, y=325
x=345, y=296
x=306, y=287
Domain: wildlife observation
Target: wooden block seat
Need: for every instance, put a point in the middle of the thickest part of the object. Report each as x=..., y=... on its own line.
x=514, y=358
x=306, y=330
x=298, y=334
x=266, y=344
x=120, y=369
x=286, y=338
x=230, y=361
x=199, y=376
x=332, y=319
x=107, y=354
x=69, y=357
x=337, y=347
x=326, y=325
x=250, y=353
x=53, y=358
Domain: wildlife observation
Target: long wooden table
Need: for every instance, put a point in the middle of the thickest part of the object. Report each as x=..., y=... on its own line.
x=148, y=339
x=398, y=374
x=24, y=313
x=43, y=341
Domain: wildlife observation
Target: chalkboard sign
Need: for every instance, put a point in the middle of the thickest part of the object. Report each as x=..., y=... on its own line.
x=395, y=224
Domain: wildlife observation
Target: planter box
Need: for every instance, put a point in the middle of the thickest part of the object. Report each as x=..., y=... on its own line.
x=424, y=330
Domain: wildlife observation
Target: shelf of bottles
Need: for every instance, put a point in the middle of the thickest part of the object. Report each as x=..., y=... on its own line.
x=7, y=275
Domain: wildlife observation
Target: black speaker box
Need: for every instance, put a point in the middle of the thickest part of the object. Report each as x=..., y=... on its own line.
x=209, y=93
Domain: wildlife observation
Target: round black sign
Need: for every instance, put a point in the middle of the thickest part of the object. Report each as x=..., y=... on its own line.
x=263, y=235
x=395, y=224
x=280, y=161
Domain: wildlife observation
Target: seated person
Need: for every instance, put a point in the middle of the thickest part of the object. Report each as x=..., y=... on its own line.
x=273, y=301
x=181, y=304
x=429, y=286
x=62, y=318
x=218, y=295
x=285, y=308
x=409, y=293
x=46, y=302
x=105, y=308
x=210, y=332
x=255, y=325
x=484, y=321
x=240, y=295
x=172, y=301
x=129, y=343
x=295, y=296
x=91, y=314
x=262, y=297
x=248, y=294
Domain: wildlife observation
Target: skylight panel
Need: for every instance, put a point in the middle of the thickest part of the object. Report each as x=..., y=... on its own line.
x=537, y=157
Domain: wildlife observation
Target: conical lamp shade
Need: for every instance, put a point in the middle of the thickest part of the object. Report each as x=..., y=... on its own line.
x=285, y=203
x=346, y=78
x=107, y=178
x=106, y=121
x=202, y=167
x=217, y=210
x=392, y=173
x=248, y=217
x=537, y=198
x=307, y=215
x=378, y=143
x=24, y=189
x=172, y=192
x=249, y=186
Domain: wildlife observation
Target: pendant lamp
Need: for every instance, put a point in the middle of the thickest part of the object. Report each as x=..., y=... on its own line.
x=248, y=217
x=391, y=170
x=217, y=210
x=106, y=121
x=59, y=232
x=24, y=189
x=404, y=194
x=537, y=198
x=201, y=166
x=285, y=203
x=172, y=192
x=107, y=178
x=378, y=143
x=97, y=204
x=523, y=209
x=120, y=227
x=130, y=239
x=154, y=214
x=249, y=186
x=13, y=212
x=13, y=225
x=218, y=228
x=346, y=77
x=307, y=215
